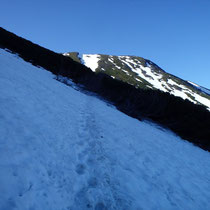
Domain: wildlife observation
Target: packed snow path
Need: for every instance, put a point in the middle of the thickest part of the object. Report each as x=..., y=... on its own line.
x=61, y=149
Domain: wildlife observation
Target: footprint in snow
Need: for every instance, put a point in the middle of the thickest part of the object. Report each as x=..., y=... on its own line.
x=80, y=169
x=100, y=206
x=92, y=182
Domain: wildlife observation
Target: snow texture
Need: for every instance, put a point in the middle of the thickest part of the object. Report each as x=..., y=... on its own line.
x=61, y=149
x=91, y=61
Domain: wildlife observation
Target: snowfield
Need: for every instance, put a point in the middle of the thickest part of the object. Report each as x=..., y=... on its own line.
x=61, y=149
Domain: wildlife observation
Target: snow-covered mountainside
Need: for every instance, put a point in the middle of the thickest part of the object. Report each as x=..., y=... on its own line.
x=205, y=90
x=63, y=149
x=143, y=73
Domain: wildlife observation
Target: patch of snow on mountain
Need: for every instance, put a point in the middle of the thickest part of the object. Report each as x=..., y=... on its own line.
x=149, y=86
x=183, y=94
x=198, y=98
x=65, y=54
x=117, y=66
x=81, y=58
x=91, y=61
x=137, y=79
x=126, y=72
x=180, y=94
x=205, y=90
x=151, y=78
x=192, y=83
x=202, y=100
x=170, y=81
x=110, y=59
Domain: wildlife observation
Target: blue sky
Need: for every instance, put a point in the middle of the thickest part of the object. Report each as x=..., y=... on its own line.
x=175, y=34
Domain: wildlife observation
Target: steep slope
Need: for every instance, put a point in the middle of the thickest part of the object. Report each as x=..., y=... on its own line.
x=145, y=74
x=189, y=121
x=63, y=149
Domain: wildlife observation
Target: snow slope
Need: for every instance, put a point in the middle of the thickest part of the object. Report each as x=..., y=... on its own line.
x=61, y=149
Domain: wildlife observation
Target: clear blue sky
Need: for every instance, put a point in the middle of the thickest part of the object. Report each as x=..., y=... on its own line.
x=175, y=34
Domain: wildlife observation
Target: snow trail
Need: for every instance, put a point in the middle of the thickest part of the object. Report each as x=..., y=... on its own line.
x=98, y=189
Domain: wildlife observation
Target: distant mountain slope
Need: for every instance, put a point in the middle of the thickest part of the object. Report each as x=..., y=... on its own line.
x=145, y=74
x=203, y=89
x=61, y=149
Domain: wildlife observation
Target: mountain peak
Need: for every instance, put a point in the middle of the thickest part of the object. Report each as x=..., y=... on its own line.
x=143, y=73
